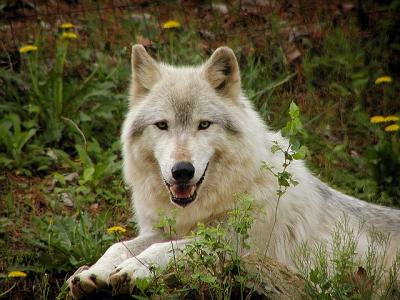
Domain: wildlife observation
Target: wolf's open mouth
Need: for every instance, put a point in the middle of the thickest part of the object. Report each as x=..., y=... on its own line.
x=184, y=194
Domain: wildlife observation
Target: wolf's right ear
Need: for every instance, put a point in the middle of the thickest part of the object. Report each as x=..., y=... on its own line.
x=222, y=72
x=145, y=72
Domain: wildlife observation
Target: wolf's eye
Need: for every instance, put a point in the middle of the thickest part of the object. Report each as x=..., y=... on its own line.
x=204, y=125
x=162, y=125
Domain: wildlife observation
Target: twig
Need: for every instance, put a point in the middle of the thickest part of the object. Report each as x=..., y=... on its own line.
x=9, y=290
x=77, y=128
x=285, y=165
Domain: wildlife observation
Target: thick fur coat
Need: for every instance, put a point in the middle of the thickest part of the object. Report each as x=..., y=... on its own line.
x=199, y=116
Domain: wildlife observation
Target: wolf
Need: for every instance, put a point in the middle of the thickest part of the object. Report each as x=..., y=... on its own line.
x=191, y=141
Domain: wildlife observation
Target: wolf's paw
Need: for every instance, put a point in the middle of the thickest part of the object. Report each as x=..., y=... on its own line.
x=122, y=279
x=87, y=281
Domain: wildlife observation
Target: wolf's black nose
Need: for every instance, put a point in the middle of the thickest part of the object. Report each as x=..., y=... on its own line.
x=182, y=171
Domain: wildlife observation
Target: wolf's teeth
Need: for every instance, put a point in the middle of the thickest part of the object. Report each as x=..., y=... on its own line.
x=192, y=189
x=179, y=191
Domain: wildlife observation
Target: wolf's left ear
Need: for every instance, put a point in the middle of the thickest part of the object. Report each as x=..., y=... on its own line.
x=145, y=72
x=222, y=72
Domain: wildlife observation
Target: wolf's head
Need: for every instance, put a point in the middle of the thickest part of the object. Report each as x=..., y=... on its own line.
x=181, y=118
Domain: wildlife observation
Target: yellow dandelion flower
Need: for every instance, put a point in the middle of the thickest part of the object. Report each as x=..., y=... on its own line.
x=392, y=128
x=27, y=48
x=69, y=35
x=377, y=119
x=391, y=119
x=383, y=79
x=16, y=274
x=67, y=26
x=171, y=24
x=117, y=229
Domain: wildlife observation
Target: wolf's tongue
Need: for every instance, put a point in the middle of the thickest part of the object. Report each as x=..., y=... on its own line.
x=182, y=191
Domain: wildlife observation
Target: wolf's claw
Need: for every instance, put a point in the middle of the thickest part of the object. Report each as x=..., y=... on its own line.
x=86, y=282
x=122, y=279
x=121, y=283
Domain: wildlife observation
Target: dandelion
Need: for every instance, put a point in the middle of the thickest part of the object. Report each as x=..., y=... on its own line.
x=15, y=274
x=392, y=128
x=391, y=118
x=170, y=24
x=67, y=26
x=27, y=48
x=117, y=229
x=69, y=35
x=383, y=79
x=377, y=119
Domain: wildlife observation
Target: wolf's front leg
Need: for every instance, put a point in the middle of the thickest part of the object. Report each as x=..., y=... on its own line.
x=122, y=279
x=86, y=281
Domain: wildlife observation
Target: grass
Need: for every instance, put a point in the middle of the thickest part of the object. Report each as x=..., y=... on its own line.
x=62, y=106
x=334, y=272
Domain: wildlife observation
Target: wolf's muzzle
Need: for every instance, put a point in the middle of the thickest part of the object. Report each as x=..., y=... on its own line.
x=182, y=193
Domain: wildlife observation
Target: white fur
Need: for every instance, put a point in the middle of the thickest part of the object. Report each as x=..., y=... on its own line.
x=306, y=213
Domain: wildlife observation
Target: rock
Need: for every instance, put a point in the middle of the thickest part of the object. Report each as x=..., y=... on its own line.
x=220, y=7
x=275, y=280
x=66, y=200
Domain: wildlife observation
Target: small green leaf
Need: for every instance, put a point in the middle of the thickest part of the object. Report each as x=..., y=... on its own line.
x=83, y=156
x=294, y=111
x=88, y=174
x=33, y=108
x=314, y=276
x=275, y=148
x=301, y=153
x=142, y=284
x=59, y=177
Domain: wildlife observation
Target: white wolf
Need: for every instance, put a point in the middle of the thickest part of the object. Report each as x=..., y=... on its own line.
x=191, y=140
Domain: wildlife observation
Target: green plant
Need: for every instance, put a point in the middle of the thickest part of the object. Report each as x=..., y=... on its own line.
x=292, y=151
x=170, y=49
x=19, y=152
x=341, y=68
x=98, y=172
x=211, y=264
x=101, y=166
x=47, y=88
x=384, y=160
x=42, y=286
x=333, y=271
x=267, y=92
x=61, y=101
x=50, y=103
x=65, y=243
